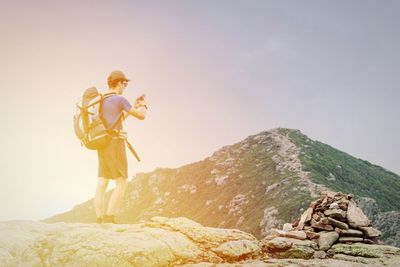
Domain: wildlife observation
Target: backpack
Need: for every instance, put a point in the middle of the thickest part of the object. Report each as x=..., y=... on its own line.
x=89, y=124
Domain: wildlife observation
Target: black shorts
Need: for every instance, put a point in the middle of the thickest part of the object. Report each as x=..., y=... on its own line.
x=112, y=160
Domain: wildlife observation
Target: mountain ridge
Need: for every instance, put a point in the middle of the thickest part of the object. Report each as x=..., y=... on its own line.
x=254, y=185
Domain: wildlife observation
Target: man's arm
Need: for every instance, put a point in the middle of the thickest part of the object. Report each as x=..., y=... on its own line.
x=138, y=110
x=139, y=113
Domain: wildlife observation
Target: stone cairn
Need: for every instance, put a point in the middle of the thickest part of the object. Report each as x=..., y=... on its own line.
x=333, y=218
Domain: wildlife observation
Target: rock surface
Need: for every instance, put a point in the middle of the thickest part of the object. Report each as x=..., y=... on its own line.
x=171, y=242
x=354, y=255
x=365, y=250
x=283, y=247
x=161, y=242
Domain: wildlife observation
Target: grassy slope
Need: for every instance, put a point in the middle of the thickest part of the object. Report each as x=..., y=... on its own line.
x=352, y=175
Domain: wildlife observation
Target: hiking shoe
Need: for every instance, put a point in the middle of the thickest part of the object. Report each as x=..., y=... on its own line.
x=109, y=219
x=99, y=220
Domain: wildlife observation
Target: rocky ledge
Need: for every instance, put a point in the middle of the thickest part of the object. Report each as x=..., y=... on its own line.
x=160, y=242
x=169, y=242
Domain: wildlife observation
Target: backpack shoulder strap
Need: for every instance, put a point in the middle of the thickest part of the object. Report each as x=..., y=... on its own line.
x=120, y=118
x=104, y=96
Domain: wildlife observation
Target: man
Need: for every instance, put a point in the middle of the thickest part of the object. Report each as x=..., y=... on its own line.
x=112, y=158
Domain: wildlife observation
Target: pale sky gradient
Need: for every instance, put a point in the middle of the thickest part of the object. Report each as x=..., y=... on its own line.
x=214, y=72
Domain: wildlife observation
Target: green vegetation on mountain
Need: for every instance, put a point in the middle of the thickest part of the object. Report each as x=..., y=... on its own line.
x=343, y=172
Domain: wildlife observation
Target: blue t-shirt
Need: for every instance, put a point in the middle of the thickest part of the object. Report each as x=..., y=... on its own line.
x=112, y=110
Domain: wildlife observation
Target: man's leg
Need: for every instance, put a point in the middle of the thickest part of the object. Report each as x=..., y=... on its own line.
x=99, y=196
x=117, y=196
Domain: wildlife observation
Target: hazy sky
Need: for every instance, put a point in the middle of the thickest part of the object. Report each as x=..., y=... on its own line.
x=214, y=72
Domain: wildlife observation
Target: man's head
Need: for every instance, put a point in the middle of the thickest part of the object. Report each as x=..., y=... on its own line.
x=117, y=81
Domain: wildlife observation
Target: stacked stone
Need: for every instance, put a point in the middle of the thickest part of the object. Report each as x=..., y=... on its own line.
x=333, y=218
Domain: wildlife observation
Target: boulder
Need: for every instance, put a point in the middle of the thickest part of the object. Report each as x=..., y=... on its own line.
x=370, y=231
x=356, y=217
x=277, y=244
x=335, y=213
x=282, y=247
x=338, y=224
x=349, y=232
x=327, y=239
x=295, y=252
x=321, y=226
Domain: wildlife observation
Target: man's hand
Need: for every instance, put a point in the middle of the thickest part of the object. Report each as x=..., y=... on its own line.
x=141, y=102
x=135, y=111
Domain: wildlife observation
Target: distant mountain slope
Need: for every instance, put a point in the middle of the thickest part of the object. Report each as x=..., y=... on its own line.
x=256, y=184
x=343, y=172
